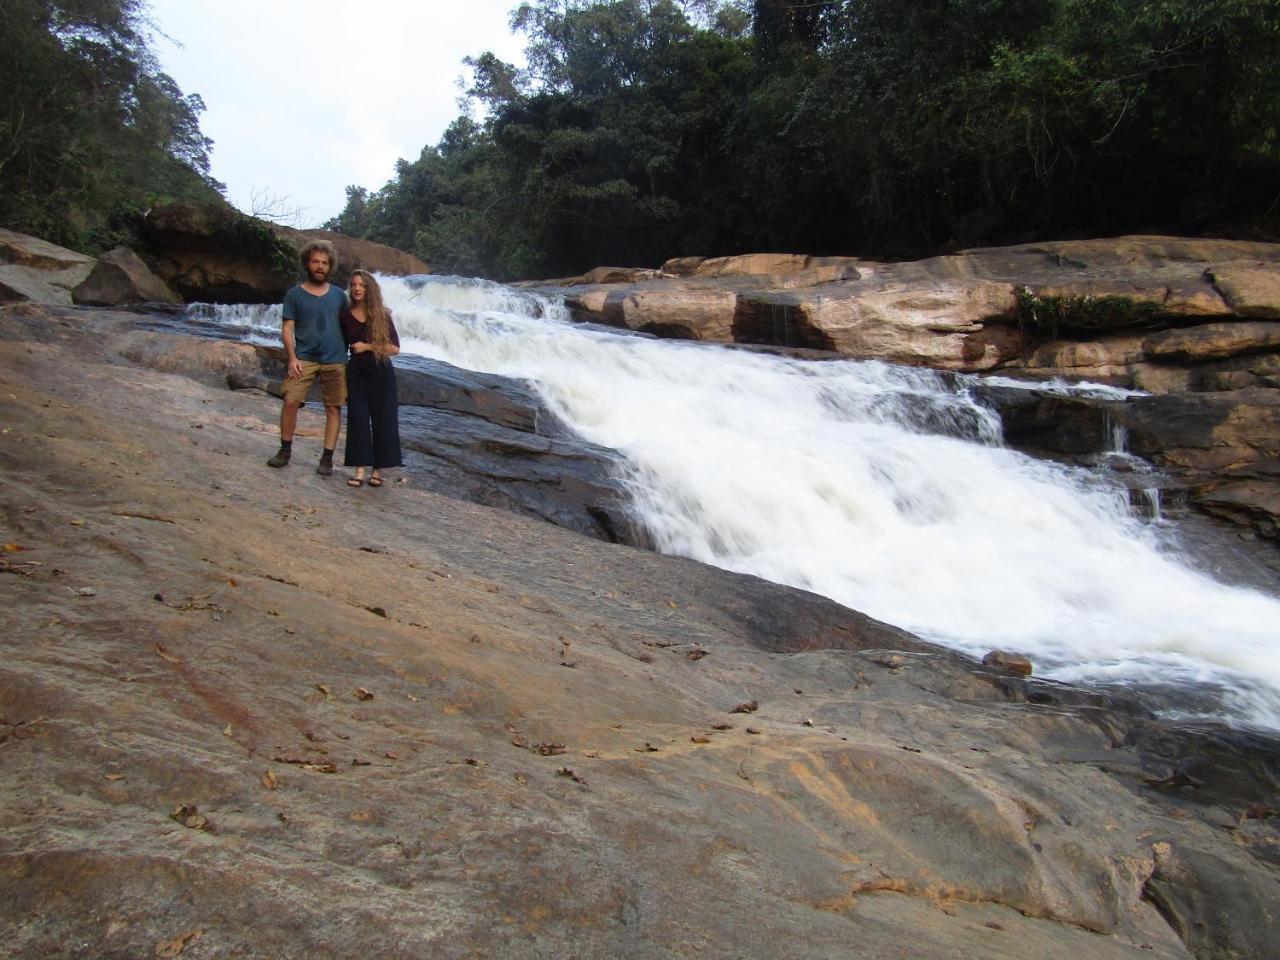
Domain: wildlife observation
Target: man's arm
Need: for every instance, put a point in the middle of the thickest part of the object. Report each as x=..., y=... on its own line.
x=290, y=350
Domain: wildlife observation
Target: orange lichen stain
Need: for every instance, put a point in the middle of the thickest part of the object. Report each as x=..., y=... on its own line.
x=451, y=709
x=848, y=901
x=829, y=789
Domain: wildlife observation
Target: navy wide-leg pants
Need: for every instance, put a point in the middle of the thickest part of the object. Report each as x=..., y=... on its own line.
x=373, y=416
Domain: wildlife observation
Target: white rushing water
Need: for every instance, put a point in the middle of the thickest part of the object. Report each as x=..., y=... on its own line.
x=878, y=486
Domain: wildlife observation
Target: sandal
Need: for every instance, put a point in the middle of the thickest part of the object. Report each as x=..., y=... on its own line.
x=375, y=481
x=355, y=482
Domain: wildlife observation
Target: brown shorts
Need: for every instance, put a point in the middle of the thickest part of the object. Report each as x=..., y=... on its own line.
x=333, y=383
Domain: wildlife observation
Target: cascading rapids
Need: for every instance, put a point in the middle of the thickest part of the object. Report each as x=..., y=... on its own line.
x=885, y=488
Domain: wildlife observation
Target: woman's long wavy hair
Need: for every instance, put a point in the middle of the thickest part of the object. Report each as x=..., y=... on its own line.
x=376, y=316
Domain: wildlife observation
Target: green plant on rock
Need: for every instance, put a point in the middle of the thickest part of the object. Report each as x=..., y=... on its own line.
x=1049, y=316
x=257, y=236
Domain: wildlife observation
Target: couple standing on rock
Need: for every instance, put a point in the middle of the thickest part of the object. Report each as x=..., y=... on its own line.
x=321, y=324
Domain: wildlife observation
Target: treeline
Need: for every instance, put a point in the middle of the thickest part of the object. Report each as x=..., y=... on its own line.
x=645, y=129
x=92, y=132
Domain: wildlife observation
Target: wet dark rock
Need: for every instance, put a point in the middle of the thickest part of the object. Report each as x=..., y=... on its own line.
x=500, y=400
x=1222, y=448
x=569, y=483
x=212, y=253
x=1217, y=908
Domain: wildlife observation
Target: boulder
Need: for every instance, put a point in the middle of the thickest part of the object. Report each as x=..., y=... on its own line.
x=752, y=264
x=27, y=251
x=121, y=277
x=920, y=324
x=681, y=266
x=1010, y=662
x=36, y=270
x=613, y=275
x=213, y=253
x=355, y=252
x=681, y=313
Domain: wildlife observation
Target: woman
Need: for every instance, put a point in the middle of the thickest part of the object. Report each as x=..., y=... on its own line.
x=373, y=428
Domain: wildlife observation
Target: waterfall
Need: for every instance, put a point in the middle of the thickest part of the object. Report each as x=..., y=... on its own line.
x=884, y=488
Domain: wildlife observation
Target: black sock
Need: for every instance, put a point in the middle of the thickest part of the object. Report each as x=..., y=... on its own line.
x=286, y=445
x=327, y=456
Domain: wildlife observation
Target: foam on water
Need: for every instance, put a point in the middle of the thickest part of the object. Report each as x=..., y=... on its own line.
x=885, y=488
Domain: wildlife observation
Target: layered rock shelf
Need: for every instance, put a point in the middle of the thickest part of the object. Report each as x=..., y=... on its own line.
x=1096, y=309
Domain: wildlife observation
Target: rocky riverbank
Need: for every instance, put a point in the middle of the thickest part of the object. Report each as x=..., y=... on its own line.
x=256, y=713
x=1161, y=314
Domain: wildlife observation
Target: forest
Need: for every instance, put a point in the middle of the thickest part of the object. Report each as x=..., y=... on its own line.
x=640, y=130
x=92, y=131
x=646, y=129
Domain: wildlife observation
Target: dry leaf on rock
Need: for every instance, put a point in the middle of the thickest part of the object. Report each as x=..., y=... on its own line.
x=269, y=780
x=317, y=766
x=522, y=778
x=188, y=814
x=113, y=776
x=699, y=739
x=566, y=772
x=722, y=726
x=76, y=523
x=749, y=707
x=14, y=548
x=752, y=730
x=363, y=694
x=174, y=947
x=695, y=654
x=647, y=748
x=550, y=749
x=164, y=652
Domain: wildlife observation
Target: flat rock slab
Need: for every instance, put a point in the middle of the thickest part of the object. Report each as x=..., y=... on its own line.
x=257, y=713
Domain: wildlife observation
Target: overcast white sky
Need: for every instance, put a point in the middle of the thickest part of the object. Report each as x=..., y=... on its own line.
x=307, y=96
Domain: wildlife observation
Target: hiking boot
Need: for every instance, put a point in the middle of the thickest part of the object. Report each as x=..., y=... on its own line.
x=324, y=468
x=281, y=459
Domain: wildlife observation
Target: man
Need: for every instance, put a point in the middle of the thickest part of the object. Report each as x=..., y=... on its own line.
x=315, y=349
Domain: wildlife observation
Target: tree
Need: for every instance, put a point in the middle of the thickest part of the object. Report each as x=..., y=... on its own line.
x=643, y=129
x=90, y=129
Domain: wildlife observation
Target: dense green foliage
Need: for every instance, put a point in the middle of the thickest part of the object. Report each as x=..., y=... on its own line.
x=643, y=129
x=91, y=131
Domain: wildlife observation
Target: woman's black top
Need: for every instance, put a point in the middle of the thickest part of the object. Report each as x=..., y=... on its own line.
x=353, y=331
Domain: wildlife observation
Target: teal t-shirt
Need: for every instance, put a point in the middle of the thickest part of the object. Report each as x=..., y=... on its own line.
x=317, y=335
